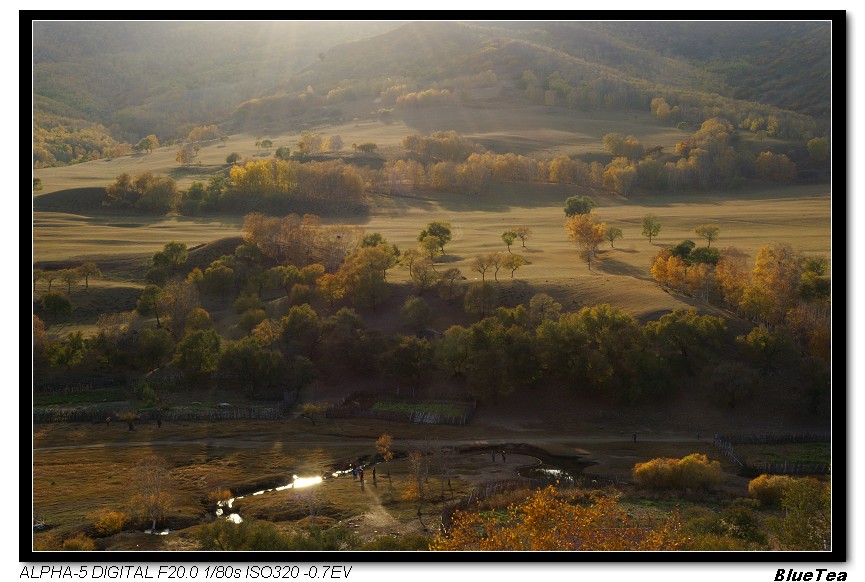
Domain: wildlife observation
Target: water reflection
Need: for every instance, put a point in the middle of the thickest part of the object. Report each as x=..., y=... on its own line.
x=297, y=483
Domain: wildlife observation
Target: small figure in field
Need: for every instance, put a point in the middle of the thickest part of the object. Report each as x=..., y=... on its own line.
x=354, y=472
x=493, y=456
x=698, y=435
x=503, y=457
x=159, y=422
x=373, y=474
x=108, y=421
x=360, y=473
x=635, y=437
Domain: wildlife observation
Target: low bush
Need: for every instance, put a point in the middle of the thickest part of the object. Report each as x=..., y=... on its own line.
x=694, y=471
x=79, y=543
x=769, y=489
x=108, y=522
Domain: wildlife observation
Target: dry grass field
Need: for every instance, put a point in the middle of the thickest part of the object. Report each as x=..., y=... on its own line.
x=79, y=468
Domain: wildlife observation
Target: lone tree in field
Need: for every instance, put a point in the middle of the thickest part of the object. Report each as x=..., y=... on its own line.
x=523, y=232
x=440, y=230
x=708, y=232
x=579, y=205
x=509, y=237
x=612, y=234
x=584, y=230
x=150, y=484
x=651, y=226
x=382, y=446
x=232, y=158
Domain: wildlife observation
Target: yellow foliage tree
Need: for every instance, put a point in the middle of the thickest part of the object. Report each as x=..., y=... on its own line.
x=553, y=521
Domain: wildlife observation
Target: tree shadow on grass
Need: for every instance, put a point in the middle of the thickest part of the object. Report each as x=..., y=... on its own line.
x=616, y=267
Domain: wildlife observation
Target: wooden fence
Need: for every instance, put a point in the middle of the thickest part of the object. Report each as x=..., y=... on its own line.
x=725, y=445
x=100, y=414
x=346, y=410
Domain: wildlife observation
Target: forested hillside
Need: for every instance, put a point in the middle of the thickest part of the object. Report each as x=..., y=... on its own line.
x=101, y=87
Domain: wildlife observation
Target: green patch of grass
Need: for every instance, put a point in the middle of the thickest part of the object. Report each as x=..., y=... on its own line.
x=801, y=453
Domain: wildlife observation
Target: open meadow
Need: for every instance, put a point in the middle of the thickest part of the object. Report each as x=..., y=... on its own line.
x=80, y=468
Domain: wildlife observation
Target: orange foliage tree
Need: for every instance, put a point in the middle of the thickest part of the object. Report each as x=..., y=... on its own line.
x=550, y=520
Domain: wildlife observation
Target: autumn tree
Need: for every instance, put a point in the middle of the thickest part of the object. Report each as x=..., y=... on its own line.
x=651, y=226
x=513, y=262
x=588, y=233
x=175, y=301
x=576, y=205
x=807, y=521
x=708, y=232
x=383, y=446
x=186, y=154
x=523, y=233
x=417, y=486
x=88, y=270
x=150, y=485
x=553, y=520
x=70, y=277
x=482, y=264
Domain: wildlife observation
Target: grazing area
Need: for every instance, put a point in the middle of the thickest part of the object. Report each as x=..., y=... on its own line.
x=444, y=310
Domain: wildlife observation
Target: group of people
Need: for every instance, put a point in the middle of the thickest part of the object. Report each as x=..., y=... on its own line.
x=357, y=472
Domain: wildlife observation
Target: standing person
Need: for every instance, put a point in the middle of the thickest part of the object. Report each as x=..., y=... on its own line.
x=635, y=437
x=373, y=474
x=698, y=435
x=360, y=472
x=354, y=472
x=493, y=456
x=503, y=457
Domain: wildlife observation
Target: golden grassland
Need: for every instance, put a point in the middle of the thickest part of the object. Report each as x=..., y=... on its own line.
x=78, y=468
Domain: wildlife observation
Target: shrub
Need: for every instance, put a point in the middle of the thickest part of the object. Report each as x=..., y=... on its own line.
x=695, y=471
x=79, y=543
x=107, y=522
x=769, y=489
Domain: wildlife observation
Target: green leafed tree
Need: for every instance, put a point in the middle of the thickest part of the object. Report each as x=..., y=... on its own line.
x=613, y=234
x=579, y=205
x=509, y=237
x=197, y=354
x=440, y=230
x=651, y=226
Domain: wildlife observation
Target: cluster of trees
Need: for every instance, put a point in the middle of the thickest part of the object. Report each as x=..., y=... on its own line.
x=60, y=305
x=58, y=141
x=144, y=192
x=278, y=185
x=787, y=294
